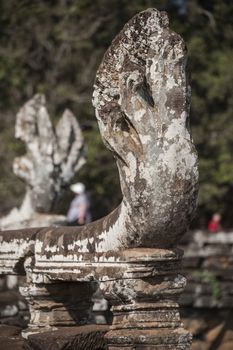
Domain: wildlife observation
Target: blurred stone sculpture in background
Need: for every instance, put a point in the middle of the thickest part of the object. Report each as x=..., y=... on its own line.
x=52, y=158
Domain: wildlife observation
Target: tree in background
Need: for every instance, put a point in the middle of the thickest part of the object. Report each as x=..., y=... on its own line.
x=55, y=47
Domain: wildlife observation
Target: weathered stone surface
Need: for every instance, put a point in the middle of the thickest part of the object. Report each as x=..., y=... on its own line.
x=141, y=98
x=58, y=304
x=16, y=246
x=73, y=338
x=143, y=262
x=146, y=339
x=145, y=306
x=143, y=285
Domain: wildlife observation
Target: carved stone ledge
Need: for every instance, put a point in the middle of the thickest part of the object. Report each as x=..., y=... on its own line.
x=73, y=266
x=16, y=246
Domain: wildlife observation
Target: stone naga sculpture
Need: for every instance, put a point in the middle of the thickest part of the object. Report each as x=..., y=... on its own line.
x=142, y=100
x=141, y=97
x=51, y=160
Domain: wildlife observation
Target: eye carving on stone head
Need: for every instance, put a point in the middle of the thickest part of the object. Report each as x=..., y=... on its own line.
x=144, y=91
x=123, y=123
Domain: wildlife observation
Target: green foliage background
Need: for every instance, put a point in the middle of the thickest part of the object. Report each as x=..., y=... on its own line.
x=55, y=47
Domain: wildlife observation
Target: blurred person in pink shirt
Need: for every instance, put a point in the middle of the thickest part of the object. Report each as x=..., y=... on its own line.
x=214, y=225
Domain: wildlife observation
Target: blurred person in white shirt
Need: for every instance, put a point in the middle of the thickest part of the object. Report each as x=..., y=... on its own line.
x=79, y=210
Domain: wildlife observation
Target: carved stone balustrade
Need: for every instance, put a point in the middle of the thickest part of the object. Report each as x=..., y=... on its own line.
x=142, y=285
x=141, y=96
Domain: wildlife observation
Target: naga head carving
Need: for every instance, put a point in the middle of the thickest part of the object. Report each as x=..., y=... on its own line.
x=53, y=154
x=142, y=99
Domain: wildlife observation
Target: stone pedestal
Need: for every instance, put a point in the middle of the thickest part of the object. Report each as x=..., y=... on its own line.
x=59, y=304
x=144, y=302
x=142, y=285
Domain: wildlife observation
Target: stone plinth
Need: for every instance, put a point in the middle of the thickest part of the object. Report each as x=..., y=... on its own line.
x=142, y=285
x=58, y=305
x=145, y=302
x=89, y=337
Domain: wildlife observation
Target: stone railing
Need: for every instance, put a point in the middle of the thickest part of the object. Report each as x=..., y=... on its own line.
x=143, y=286
x=141, y=97
x=208, y=266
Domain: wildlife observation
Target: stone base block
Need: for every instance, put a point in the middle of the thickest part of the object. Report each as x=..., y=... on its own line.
x=89, y=337
x=138, y=339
